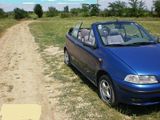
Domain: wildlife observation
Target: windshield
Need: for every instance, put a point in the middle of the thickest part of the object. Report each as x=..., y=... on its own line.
x=124, y=34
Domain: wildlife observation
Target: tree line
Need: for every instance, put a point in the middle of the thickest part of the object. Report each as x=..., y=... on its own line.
x=134, y=8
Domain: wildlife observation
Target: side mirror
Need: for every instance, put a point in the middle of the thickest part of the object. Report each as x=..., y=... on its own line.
x=158, y=39
x=70, y=30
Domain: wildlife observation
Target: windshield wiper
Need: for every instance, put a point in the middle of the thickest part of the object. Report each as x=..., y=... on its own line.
x=116, y=45
x=141, y=43
x=132, y=44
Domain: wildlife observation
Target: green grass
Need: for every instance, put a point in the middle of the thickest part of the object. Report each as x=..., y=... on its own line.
x=6, y=23
x=79, y=97
x=51, y=31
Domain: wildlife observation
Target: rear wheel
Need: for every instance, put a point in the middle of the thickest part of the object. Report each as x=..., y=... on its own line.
x=106, y=91
x=66, y=57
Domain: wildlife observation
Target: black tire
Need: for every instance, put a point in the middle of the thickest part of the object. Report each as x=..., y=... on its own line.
x=106, y=91
x=67, y=58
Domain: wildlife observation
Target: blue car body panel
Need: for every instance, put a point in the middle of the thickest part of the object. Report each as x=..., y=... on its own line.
x=118, y=62
x=144, y=59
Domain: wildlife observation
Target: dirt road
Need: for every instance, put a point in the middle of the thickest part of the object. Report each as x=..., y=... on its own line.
x=21, y=70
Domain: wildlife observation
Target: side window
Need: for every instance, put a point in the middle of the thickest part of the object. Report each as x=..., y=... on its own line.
x=75, y=31
x=91, y=39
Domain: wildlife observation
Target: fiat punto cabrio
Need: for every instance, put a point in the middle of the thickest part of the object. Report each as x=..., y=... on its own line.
x=120, y=58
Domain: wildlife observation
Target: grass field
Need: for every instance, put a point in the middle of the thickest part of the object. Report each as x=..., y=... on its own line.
x=6, y=23
x=79, y=97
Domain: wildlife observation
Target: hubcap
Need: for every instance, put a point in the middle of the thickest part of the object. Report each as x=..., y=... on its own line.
x=66, y=57
x=105, y=90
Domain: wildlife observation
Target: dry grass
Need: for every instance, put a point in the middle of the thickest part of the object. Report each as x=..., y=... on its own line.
x=6, y=23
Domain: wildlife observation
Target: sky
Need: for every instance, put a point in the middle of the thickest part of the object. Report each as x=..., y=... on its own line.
x=9, y=5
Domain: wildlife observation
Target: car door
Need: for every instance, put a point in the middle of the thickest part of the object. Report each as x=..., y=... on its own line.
x=88, y=57
x=72, y=44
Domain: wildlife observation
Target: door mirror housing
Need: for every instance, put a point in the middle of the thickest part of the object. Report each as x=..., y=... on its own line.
x=70, y=30
x=158, y=39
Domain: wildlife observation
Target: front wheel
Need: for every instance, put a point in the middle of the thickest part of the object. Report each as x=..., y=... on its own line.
x=106, y=91
x=66, y=58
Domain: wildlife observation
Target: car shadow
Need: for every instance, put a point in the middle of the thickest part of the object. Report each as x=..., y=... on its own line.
x=132, y=110
x=129, y=110
x=84, y=79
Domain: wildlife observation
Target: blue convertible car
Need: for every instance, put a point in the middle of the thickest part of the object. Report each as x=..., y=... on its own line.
x=120, y=58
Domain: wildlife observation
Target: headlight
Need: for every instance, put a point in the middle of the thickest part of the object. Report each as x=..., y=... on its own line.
x=140, y=79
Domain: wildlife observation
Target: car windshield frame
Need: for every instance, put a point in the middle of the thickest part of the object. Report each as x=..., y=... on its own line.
x=138, y=27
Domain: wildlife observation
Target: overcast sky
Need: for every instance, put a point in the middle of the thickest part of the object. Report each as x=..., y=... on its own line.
x=9, y=5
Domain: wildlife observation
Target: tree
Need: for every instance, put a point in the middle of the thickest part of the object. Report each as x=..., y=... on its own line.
x=20, y=13
x=141, y=8
x=157, y=7
x=94, y=10
x=85, y=10
x=104, y=13
x=2, y=13
x=38, y=10
x=85, y=7
x=52, y=11
x=117, y=8
x=66, y=9
x=134, y=7
x=137, y=8
x=75, y=11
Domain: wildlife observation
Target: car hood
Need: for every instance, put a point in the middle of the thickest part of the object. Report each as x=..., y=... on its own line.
x=143, y=59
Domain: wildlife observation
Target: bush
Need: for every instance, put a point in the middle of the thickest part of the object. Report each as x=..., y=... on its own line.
x=20, y=13
x=52, y=12
x=84, y=14
x=38, y=10
x=75, y=11
x=65, y=15
x=104, y=13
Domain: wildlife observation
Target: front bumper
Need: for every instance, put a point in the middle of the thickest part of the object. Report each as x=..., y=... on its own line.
x=138, y=94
